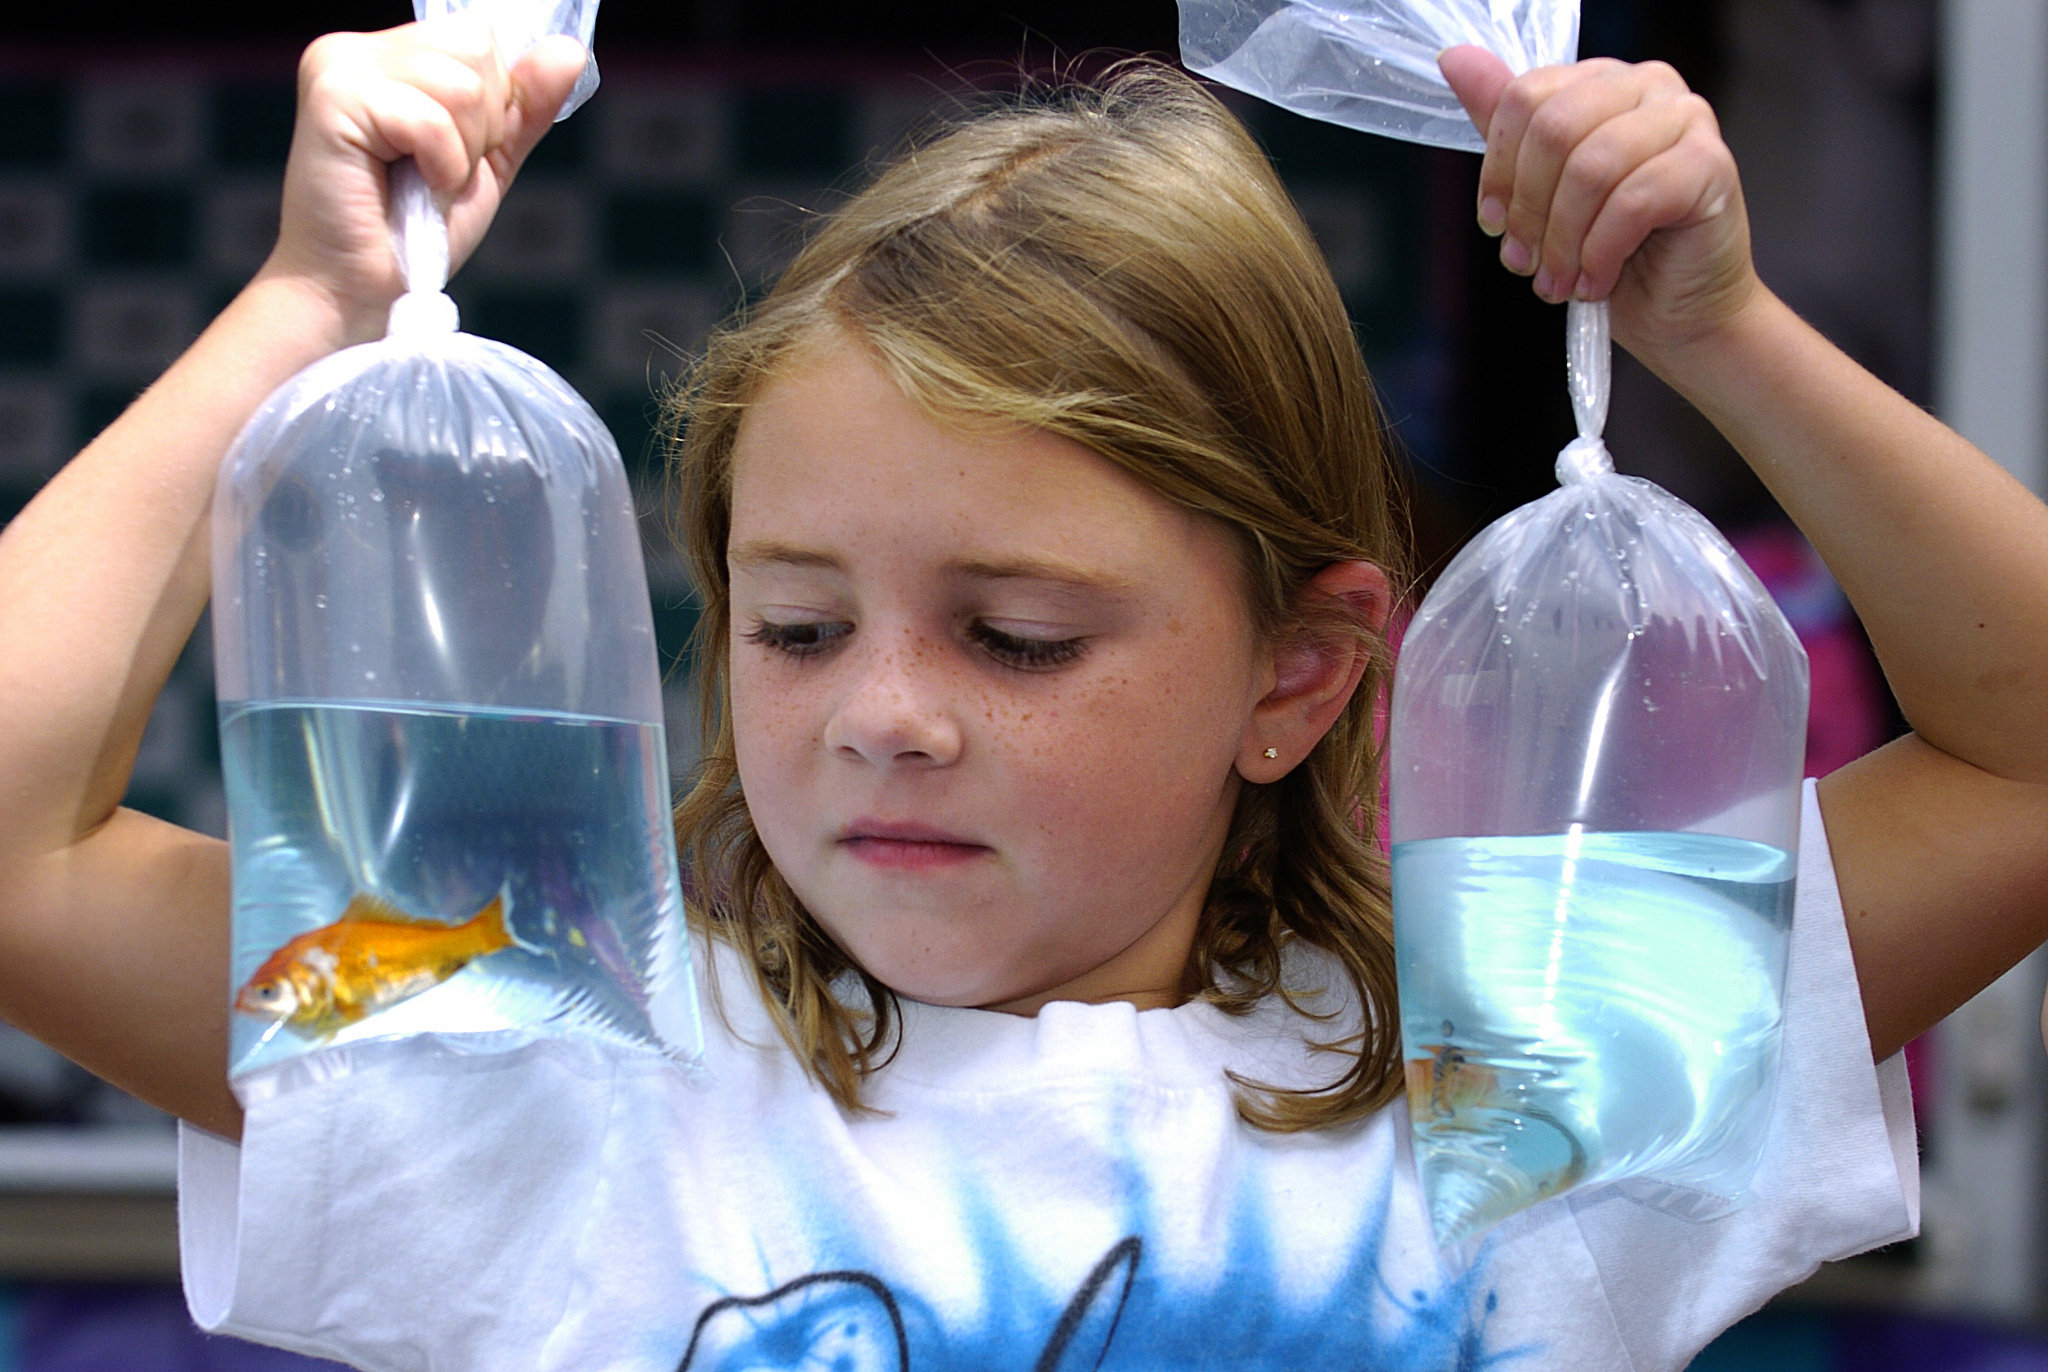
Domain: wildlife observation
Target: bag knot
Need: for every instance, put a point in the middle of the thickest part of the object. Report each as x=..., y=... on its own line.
x=1582, y=460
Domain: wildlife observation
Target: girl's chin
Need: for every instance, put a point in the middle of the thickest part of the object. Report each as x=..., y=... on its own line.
x=928, y=983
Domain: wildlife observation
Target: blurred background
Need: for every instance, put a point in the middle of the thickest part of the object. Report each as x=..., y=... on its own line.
x=1894, y=154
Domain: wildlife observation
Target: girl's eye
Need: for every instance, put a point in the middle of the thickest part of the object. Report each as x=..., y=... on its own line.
x=805, y=638
x=1029, y=654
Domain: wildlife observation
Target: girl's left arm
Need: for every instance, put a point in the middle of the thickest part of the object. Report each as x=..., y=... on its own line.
x=1611, y=182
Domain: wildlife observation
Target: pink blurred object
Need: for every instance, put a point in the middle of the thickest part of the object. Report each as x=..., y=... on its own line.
x=1850, y=710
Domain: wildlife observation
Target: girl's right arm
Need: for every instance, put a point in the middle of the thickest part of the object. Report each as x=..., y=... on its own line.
x=113, y=925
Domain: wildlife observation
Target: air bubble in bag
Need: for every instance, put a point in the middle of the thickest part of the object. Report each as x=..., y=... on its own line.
x=1596, y=741
x=440, y=705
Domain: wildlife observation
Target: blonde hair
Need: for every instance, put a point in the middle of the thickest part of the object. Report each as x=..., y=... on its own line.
x=1116, y=264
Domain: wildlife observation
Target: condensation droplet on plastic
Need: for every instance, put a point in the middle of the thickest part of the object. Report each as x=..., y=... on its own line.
x=319, y=602
x=377, y=494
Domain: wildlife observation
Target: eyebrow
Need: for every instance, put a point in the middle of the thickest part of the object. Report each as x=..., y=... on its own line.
x=769, y=552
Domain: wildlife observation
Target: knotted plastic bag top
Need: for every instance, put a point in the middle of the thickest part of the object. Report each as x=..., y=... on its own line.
x=1600, y=658
x=1370, y=64
x=441, y=707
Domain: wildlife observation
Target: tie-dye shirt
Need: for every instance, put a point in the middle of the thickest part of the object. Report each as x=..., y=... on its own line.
x=1072, y=1191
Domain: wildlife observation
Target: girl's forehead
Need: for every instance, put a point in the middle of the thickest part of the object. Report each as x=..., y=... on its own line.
x=831, y=443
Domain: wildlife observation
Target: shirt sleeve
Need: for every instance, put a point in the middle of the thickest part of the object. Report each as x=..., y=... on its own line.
x=407, y=1209
x=1840, y=1171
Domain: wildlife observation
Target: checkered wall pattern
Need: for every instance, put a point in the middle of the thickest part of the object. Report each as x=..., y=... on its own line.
x=135, y=201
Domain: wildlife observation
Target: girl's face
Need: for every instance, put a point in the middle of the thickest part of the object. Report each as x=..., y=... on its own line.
x=988, y=694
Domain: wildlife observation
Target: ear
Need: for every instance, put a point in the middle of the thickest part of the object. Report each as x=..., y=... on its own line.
x=1312, y=680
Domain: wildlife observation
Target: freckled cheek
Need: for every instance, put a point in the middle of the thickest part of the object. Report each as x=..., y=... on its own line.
x=774, y=734
x=1136, y=753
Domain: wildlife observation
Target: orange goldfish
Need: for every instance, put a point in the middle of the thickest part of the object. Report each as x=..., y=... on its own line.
x=1445, y=1082
x=371, y=958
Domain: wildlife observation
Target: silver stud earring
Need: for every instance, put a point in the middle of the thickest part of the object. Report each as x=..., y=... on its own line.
x=1272, y=752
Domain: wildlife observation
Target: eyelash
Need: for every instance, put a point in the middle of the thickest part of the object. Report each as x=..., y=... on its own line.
x=1026, y=654
x=802, y=639
x=810, y=638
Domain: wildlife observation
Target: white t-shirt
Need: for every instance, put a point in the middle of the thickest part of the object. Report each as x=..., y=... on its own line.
x=1071, y=1191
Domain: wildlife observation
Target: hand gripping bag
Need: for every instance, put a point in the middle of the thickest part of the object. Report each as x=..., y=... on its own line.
x=1596, y=741
x=440, y=708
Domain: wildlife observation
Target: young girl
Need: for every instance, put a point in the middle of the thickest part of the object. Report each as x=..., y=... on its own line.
x=1042, y=527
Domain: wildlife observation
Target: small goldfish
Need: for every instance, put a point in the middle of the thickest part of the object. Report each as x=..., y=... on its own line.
x=1446, y=1082
x=371, y=958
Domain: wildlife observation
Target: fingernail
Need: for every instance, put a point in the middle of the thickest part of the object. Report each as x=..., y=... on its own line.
x=1583, y=288
x=1493, y=217
x=1546, y=285
x=1516, y=257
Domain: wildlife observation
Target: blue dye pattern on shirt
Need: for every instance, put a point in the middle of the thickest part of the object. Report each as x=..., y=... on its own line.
x=1123, y=1315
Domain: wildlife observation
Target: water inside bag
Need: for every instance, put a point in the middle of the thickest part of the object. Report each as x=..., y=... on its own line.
x=1588, y=1004
x=436, y=812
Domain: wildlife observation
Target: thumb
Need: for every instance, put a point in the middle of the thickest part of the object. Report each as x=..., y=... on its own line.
x=541, y=81
x=1477, y=77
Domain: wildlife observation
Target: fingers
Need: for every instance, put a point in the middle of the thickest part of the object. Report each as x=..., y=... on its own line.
x=1563, y=141
x=1665, y=192
x=1579, y=177
x=434, y=92
x=1512, y=115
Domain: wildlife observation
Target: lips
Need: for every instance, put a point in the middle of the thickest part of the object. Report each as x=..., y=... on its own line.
x=907, y=846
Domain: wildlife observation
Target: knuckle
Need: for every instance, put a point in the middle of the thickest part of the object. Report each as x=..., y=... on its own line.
x=1706, y=143
x=1525, y=221
x=1593, y=166
x=456, y=82
x=1553, y=130
x=326, y=53
x=1633, y=199
x=1698, y=112
x=1661, y=73
x=1518, y=102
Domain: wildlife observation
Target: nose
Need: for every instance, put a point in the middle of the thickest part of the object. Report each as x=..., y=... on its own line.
x=897, y=707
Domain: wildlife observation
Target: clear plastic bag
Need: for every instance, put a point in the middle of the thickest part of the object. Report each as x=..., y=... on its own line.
x=1596, y=741
x=440, y=705
x=1370, y=64
x=1598, y=727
